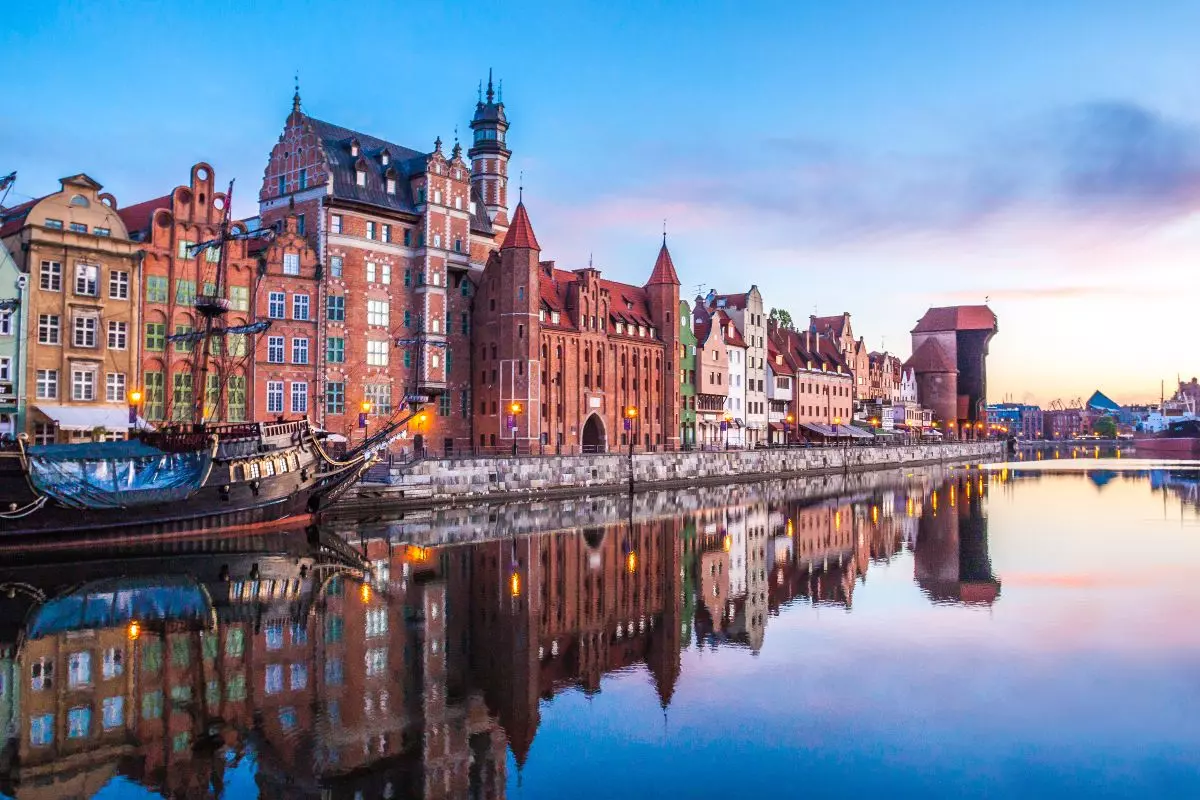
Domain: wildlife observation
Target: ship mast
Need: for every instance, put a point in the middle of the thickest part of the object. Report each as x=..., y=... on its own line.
x=211, y=307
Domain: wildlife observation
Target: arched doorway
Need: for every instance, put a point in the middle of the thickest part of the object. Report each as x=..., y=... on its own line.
x=593, y=435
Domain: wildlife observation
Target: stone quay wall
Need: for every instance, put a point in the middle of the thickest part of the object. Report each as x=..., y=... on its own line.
x=468, y=523
x=438, y=481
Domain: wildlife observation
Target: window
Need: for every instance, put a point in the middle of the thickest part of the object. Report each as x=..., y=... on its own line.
x=185, y=249
x=335, y=266
x=335, y=223
x=235, y=639
x=376, y=662
x=385, y=275
x=371, y=230
x=118, y=335
x=334, y=626
x=303, y=179
x=275, y=396
x=212, y=254
x=54, y=224
x=370, y=272
x=235, y=398
x=299, y=350
x=114, y=663
x=361, y=178
x=156, y=289
x=298, y=677
x=113, y=712
x=41, y=674
x=276, y=302
x=299, y=398
x=466, y=323
x=6, y=326
x=114, y=387
x=50, y=276
x=118, y=285
x=377, y=622
x=282, y=185
x=185, y=292
x=407, y=239
x=85, y=331
x=377, y=312
x=291, y=263
x=273, y=679
x=87, y=277
x=154, y=398
x=239, y=298
x=41, y=730
x=79, y=722
x=183, y=345
x=5, y=368
x=83, y=384
x=391, y=185
x=380, y=397
x=407, y=359
x=274, y=636
x=156, y=336
x=458, y=245
x=335, y=397
x=444, y=404
x=300, y=306
x=235, y=687
x=78, y=227
x=377, y=353
x=407, y=318
x=335, y=349
x=181, y=396
x=335, y=308
x=275, y=349
x=333, y=672
x=387, y=232
x=181, y=741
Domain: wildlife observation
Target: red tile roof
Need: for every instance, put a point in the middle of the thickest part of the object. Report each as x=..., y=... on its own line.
x=731, y=300
x=520, y=232
x=931, y=357
x=138, y=217
x=732, y=335
x=957, y=318
x=13, y=219
x=836, y=324
x=664, y=269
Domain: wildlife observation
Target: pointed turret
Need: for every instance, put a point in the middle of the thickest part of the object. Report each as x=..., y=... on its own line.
x=664, y=268
x=520, y=232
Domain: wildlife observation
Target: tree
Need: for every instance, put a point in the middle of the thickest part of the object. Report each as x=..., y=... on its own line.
x=782, y=318
x=1105, y=428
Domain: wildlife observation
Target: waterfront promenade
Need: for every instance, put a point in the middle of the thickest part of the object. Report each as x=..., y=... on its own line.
x=432, y=482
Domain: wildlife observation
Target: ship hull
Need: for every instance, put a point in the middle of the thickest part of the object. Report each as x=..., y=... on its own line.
x=1167, y=446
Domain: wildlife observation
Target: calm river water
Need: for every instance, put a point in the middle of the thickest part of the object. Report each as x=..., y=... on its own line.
x=1018, y=630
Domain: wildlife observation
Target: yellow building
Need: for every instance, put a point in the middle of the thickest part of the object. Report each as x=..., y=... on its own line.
x=84, y=322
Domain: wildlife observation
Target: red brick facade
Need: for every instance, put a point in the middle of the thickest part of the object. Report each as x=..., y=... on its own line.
x=572, y=351
x=172, y=277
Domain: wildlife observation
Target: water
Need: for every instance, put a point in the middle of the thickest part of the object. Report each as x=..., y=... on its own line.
x=1019, y=630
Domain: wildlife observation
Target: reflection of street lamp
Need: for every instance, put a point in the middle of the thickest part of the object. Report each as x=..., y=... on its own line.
x=630, y=415
x=513, y=411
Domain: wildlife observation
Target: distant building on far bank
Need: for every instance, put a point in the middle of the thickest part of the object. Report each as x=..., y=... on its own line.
x=1021, y=419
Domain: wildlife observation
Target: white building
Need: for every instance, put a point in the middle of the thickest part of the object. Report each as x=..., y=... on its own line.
x=746, y=311
x=735, y=401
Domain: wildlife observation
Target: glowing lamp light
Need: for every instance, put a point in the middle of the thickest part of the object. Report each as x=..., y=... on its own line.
x=874, y=515
x=514, y=584
x=135, y=397
x=631, y=562
x=365, y=406
x=515, y=408
x=135, y=630
x=364, y=592
x=790, y=419
x=791, y=528
x=727, y=543
x=421, y=418
x=631, y=412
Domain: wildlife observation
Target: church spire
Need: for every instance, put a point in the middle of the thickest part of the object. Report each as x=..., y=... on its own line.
x=664, y=267
x=520, y=232
x=491, y=93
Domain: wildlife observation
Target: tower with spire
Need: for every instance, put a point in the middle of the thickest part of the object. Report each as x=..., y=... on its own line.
x=662, y=295
x=489, y=155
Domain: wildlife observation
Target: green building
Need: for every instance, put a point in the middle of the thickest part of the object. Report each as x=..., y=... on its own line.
x=687, y=378
x=14, y=297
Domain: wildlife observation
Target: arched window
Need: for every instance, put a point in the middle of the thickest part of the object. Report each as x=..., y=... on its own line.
x=80, y=200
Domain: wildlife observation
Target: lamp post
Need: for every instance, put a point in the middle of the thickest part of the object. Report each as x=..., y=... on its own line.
x=725, y=424
x=135, y=402
x=787, y=429
x=418, y=439
x=364, y=409
x=513, y=411
x=630, y=415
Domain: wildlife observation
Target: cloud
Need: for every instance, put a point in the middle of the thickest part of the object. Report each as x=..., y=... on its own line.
x=1043, y=293
x=1089, y=165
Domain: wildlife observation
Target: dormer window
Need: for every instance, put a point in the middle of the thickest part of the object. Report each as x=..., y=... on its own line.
x=385, y=158
x=391, y=185
x=554, y=317
x=354, y=147
x=360, y=177
x=79, y=200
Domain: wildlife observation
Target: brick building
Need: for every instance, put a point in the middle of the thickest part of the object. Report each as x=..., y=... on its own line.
x=174, y=274
x=286, y=358
x=559, y=355
x=854, y=351
x=823, y=386
x=84, y=279
x=950, y=346
x=397, y=232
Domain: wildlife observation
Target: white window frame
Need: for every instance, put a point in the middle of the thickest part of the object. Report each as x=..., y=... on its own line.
x=276, y=301
x=114, y=387
x=50, y=276
x=275, y=349
x=47, y=384
x=299, y=396
x=87, y=280
x=291, y=263
x=300, y=350
x=377, y=353
x=274, y=397
x=83, y=385
x=300, y=307
x=118, y=335
x=118, y=285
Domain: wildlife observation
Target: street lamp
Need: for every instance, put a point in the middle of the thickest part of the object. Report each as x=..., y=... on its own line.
x=364, y=408
x=725, y=423
x=513, y=411
x=787, y=428
x=630, y=415
x=135, y=401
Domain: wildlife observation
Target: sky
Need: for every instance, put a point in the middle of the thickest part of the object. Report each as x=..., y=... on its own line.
x=876, y=158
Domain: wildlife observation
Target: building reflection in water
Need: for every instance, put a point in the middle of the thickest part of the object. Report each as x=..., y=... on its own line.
x=307, y=667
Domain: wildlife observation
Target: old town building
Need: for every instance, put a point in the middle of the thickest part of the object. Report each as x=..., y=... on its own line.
x=561, y=357
x=823, y=387
x=687, y=377
x=854, y=351
x=746, y=311
x=884, y=375
x=84, y=276
x=735, y=398
x=14, y=300
x=287, y=295
x=175, y=275
x=712, y=377
x=950, y=346
x=781, y=377
x=398, y=232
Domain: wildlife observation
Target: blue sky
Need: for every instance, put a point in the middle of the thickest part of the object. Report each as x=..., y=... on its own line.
x=870, y=157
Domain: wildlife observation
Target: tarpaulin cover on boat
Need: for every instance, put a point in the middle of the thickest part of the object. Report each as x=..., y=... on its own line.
x=115, y=474
x=114, y=602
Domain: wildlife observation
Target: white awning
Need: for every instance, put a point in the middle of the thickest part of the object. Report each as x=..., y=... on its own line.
x=86, y=418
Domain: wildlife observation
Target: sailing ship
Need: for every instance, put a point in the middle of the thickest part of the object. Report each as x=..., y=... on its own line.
x=201, y=476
